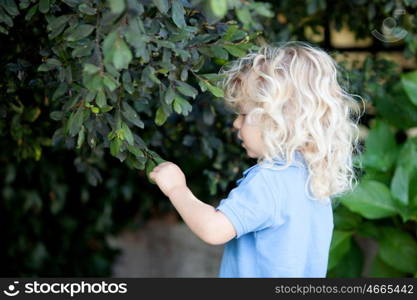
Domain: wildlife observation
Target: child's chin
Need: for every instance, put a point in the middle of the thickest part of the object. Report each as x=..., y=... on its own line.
x=250, y=154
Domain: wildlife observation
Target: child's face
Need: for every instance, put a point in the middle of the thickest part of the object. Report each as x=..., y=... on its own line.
x=250, y=134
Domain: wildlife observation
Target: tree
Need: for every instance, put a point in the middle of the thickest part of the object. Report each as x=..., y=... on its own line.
x=85, y=79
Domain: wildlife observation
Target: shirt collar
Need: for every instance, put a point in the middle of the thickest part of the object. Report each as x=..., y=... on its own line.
x=247, y=170
x=298, y=158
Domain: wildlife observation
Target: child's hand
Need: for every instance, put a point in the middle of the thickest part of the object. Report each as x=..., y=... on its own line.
x=168, y=176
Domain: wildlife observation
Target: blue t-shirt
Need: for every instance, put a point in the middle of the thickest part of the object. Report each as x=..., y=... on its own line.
x=281, y=231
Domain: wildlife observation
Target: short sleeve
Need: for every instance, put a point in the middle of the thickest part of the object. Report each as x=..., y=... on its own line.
x=251, y=205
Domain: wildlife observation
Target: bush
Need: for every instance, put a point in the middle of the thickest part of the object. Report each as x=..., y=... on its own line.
x=85, y=82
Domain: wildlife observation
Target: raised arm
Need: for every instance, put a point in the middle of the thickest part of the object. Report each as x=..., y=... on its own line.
x=211, y=226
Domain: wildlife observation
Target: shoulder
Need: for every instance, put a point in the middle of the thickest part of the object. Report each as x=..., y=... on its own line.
x=264, y=188
x=269, y=174
x=259, y=173
x=253, y=174
x=270, y=180
x=261, y=179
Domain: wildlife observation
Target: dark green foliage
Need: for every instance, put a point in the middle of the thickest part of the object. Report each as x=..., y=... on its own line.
x=85, y=81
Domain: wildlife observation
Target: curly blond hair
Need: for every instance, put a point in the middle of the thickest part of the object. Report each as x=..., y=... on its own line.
x=294, y=92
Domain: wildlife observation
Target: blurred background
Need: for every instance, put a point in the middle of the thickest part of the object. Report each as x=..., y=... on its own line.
x=95, y=93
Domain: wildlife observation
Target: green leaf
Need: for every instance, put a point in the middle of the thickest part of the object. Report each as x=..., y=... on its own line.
x=81, y=137
x=111, y=135
x=5, y=18
x=409, y=83
x=204, y=85
x=212, y=76
x=118, y=120
x=219, y=52
x=80, y=32
x=350, y=265
x=169, y=95
x=86, y=9
x=218, y=7
x=230, y=32
x=149, y=166
x=90, y=69
x=106, y=108
x=127, y=82
x=371, y=199
x=244, y=15
x=117, y=6
x=56, y=115
x=398, y=249
x=127, y=134
x=110, y=82
x=54, y=61
x=10, y=7
x=400, y=184
x=380, y=269
x=206, y=51
x=58, y=22
x=56, y=32
x=160, y=116
x=158, y=160
x=136, y=151
x=83, y=50
x=149, y=72
x=166, y=44
x=181, y=106
x=46, y=67
x=235, y=50
x=130, y=114
x=368, y=229
x=31, y=114
x=178, y=13
x=140, y=43
x=177, y=107
x=115, y=145
x=50, y=64
x=381, y=148
x=344, y=219
x=162, y=5
x=75, y=122
x=93, y=82
x=122, y=55
x=44, y=6
x=31, y=12
x=339, y=246
x=396, y=107
x=108, y=44
x=186, y=89
x=264, y=10
x=101, y=99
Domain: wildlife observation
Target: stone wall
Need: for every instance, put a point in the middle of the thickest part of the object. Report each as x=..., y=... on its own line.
x=165, y=247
